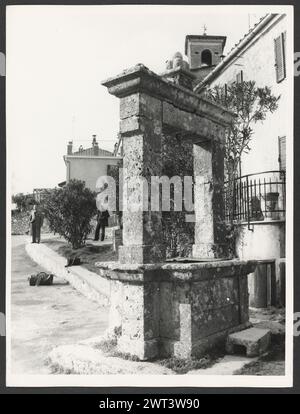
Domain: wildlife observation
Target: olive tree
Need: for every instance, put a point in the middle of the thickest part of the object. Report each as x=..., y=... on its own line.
x=250, y=104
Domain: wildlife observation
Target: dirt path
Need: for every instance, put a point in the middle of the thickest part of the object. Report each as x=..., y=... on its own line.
x=46, y=316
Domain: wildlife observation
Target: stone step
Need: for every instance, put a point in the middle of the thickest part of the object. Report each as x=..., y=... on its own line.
x=254, y=341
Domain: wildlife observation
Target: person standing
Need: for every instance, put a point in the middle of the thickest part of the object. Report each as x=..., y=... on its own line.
x=36, y=221
x=103, y=214
x=102, y=222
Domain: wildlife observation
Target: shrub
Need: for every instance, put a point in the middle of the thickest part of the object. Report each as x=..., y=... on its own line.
x=24, y=202
x=69, y=211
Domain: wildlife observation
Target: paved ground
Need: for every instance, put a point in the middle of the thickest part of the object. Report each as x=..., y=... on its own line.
x=46, y=316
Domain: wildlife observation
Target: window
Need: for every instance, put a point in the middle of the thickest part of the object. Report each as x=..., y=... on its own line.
x=279, y=47
x=206, y=57
x=240, y=77
x=225, y=90
x=282, y=153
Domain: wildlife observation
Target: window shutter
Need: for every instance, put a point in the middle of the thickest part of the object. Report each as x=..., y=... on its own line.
x=279, y=47
x=240, y=77
x=225, y=90
x=282, y=153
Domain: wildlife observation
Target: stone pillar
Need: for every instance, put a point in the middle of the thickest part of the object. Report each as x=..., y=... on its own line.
x=140, y=319
x=141, y=129
x=210, y=241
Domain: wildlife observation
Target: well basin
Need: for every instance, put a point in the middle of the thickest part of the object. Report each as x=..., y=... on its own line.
x=175, y=308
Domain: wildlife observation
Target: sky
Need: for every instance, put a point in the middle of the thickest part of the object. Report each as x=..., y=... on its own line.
x=57, y=57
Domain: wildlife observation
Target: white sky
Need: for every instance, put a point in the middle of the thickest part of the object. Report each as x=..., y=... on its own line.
x=58, y=55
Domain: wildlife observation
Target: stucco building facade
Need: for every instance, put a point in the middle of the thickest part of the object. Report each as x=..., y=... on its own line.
x=260, y=56
x=89, y=164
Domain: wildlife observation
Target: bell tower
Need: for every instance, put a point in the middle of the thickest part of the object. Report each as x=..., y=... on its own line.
x=204, y=52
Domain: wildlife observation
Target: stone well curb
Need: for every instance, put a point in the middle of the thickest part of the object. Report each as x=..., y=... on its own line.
x=90, y=284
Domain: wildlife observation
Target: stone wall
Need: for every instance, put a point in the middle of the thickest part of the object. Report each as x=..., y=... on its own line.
x=265, y=240
x=20, y=223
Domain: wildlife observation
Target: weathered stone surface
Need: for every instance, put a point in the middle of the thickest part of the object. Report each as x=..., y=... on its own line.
x=210, y=231
x=139, y=78
x=255, y=341
x=181, y=76
x=172, y=309
x=179, y=309
x=197, y=128
x=141, y=130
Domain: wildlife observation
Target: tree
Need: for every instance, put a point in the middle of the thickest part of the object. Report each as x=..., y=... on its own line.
x=69, y=211
x=251, y=104
x=23, y=201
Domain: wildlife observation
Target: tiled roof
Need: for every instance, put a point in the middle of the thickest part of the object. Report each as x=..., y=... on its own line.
x=247, y=33
x=90, y=152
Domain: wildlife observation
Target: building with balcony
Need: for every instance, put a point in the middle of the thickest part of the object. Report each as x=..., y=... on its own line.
x=259, y=194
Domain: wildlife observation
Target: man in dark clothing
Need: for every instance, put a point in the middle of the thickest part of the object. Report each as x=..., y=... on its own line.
x=36, y=221
x=102, y=222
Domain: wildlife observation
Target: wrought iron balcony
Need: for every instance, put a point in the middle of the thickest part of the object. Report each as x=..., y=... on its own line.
x=256, y=197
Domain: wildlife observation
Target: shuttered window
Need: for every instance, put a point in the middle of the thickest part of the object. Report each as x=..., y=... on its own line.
x=240, y=77
x=279, y=47
x=225, y=91
x=282, y=153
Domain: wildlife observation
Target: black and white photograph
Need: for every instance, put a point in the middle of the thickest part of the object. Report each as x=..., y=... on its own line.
x=150, y=195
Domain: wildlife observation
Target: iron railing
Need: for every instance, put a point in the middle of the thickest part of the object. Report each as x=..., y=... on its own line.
x=256, y=197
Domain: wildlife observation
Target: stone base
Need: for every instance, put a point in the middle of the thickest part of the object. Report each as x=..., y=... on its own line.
x=178, y=309
x=142, y=349
x=182, y=349
x=254, y=341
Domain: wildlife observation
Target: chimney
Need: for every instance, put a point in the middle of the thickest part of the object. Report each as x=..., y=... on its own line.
x=70, y=148
x=95, y=146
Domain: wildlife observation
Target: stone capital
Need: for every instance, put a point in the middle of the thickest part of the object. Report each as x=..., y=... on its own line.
x=140, y=79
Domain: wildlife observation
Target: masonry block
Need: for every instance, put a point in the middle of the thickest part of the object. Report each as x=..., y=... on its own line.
x=255, y=341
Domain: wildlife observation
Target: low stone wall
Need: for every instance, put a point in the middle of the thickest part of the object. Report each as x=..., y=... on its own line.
x=90, y=284
x=20, y=223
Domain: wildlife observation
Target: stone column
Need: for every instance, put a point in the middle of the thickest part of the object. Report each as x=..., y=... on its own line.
x=210, y=241
x=141, y=131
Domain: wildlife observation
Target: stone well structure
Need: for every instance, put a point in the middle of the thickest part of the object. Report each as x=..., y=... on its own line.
x=173, y=308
